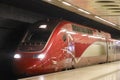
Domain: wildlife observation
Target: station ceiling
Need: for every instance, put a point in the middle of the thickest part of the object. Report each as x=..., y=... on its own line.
x=17, y=15
x=104, y=11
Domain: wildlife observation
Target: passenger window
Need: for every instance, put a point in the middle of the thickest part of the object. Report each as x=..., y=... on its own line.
x=81, y=29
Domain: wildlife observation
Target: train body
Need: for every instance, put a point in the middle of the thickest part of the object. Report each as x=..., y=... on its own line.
x=51, y=46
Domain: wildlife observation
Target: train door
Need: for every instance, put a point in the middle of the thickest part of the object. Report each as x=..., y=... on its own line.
x=108, y=45
x=116, y=47
x=111, y=54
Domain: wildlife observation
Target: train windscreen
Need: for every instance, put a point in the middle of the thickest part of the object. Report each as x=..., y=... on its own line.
x=37, y=36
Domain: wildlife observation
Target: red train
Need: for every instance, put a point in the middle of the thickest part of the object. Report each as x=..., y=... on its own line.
x=52, y=45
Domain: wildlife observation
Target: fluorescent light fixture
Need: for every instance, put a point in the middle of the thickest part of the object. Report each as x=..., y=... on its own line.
x=43, y=26
x=68, y=4
x=86, y=12
x=49, y=0
x=105, y=20
x=17, y=56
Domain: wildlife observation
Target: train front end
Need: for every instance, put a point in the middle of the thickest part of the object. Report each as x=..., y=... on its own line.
x=32, y=53
x=27, y=64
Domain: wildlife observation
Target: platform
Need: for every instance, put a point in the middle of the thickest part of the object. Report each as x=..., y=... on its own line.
x=107, y=71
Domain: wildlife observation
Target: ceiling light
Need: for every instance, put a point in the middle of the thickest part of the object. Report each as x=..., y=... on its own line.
x=48, y=0
x=68, y=4
x=105, y=20
x=86, y=12
x=43, y=26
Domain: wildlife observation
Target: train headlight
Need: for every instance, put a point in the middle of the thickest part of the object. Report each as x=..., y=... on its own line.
x=17, y=56
x=41, y=56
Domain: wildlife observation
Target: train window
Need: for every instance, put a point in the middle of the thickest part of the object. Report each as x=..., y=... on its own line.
x=37, y=35
x=40, y=31
x=80, y=29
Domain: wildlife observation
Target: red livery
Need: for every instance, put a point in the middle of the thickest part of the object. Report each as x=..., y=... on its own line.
x=50, y=46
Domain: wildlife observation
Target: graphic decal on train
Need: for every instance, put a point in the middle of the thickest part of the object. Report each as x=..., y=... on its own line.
x=72, y=45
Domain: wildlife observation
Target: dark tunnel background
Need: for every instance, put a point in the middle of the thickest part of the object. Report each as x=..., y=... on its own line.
x=9, y=40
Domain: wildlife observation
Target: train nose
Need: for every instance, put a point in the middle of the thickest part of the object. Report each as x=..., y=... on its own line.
x=27, y=65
